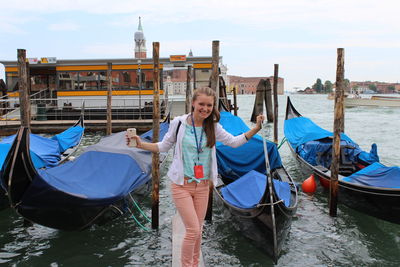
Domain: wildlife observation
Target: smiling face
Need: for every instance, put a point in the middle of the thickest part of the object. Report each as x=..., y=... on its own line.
x=202, y=106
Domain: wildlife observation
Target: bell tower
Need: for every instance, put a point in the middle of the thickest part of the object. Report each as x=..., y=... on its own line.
x=140, y=42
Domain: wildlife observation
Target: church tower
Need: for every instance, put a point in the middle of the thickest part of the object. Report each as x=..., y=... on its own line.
x=140, y=42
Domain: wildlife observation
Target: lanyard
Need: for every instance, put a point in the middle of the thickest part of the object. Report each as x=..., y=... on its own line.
x=198, y=144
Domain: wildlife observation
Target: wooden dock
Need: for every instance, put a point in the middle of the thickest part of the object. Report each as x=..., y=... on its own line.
x=57, y=126
x=178, y=232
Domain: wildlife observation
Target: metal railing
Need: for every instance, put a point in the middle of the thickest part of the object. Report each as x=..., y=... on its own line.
x=95, y=108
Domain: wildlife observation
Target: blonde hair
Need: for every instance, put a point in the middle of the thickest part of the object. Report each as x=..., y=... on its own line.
x=214, y=117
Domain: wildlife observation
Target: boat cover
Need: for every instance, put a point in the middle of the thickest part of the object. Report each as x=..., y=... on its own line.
x=48, y=150
x=4, y=148
x=45, y=148
x=377, y=175
x=300, y=130
x=103, y=174
x=69, y=138
x=247, y=191
x=314, y=144
x=236, y=162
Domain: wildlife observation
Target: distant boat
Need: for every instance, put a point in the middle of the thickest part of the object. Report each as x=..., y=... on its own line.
x=364, y=184
x=244, y=193
x=373, y=101
x=93, y=189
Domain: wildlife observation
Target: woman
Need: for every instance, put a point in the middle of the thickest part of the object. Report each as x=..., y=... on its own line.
x=194, y=163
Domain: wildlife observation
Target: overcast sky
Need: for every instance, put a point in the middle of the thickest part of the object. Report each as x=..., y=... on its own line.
x=301, y=36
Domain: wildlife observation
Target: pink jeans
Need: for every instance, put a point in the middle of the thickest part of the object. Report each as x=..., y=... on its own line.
x=191, y=200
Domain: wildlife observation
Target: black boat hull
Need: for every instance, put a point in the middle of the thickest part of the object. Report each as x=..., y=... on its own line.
x=257, y=224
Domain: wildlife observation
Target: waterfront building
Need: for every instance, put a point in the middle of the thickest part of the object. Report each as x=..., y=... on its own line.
x=248, y=85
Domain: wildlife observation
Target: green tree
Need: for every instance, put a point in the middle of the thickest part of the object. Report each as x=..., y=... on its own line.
x=328, y=86
x=346, y=85
x=318, y=87
x=391, y=89
x=373, y=87
x=355, y=88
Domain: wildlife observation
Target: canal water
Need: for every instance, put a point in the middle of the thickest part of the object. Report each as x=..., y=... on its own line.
x=315, y=239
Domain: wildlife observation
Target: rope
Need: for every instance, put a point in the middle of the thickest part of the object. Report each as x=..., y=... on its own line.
x=139, y=223
x=139, y=209
x=282, y=142
x=269, y=204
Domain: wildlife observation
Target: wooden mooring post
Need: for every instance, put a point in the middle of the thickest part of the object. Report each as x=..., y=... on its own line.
x=25, y=105
x=155, y=170
x=188, y=102
x=276, y=70
x=338, y=127
x=215, y=87
x=258, y=102
x=109, y=96
x=268, y=100
x=235, y=107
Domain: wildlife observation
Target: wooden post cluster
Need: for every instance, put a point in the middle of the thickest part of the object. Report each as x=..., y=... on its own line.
x=155, y=171
x=109, y=96
x=188, y=104
x=25, y=105
x=276, y=69
x=338, y=127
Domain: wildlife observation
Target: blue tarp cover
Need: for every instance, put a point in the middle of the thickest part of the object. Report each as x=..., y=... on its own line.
x=235, y=162
x=4, y=148
x=311, y=143
x=377, y=175
x=300, y=130
x=69, y=138
x=247, y=191
x=45, y=148
x=46, y=152
x=96, y=175
x=148, y=136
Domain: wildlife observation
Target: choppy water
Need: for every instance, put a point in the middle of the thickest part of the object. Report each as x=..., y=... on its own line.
x=351, y=239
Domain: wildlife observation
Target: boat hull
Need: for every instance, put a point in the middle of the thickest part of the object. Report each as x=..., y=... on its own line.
x=257, y=224
x=366, y=102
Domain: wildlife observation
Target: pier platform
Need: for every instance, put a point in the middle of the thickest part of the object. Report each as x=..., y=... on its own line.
x=57, y=126
x=178, y=232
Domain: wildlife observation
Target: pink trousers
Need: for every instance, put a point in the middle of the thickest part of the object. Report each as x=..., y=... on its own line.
x=191, y=201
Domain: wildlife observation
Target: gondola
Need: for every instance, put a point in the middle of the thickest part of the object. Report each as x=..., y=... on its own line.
x=244, y=193
x=364, y=184
x=45, y=152
x=94, y=188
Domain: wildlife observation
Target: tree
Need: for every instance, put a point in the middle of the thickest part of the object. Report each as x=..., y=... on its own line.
x=318, y=87
x=391, y=89
x=346, y=85
x=373, y=87
x=328, y=86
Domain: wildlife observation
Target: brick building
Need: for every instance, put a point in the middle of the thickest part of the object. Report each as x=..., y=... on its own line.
x=248, y=85
x=382, y=87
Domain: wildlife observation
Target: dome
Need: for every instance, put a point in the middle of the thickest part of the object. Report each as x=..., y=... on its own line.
x=139, y=36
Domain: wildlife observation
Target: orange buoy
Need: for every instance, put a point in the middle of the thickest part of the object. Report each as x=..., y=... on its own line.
x=309, y=185
x=324, y=182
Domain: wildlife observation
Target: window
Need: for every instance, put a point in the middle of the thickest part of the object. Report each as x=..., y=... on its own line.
x=12, y=82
